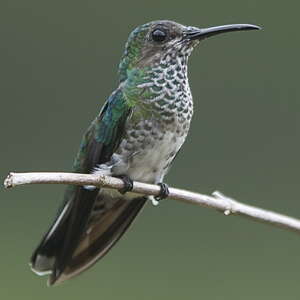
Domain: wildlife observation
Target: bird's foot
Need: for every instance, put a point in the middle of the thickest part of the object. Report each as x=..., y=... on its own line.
x=164, y=191
x=128, y=184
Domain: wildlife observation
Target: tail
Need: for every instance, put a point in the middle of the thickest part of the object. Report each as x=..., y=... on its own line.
x=84, y=231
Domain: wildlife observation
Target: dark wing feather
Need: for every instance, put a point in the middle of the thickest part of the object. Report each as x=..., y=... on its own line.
x=101, y=234
x=99, y=143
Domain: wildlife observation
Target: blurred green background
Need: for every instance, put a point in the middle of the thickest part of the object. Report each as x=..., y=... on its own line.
x=58, y=65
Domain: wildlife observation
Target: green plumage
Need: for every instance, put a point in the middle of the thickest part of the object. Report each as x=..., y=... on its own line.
x=133, y=50
x=105, y=132
x=138, y=133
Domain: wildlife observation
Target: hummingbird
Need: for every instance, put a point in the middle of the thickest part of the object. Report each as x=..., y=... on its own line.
x=136, y=137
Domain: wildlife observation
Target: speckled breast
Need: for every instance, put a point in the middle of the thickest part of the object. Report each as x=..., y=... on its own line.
x=151, y=143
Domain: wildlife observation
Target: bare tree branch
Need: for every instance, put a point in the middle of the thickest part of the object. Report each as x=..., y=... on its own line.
x=217, y=201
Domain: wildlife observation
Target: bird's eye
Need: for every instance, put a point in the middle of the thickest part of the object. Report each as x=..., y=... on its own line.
x=158, y=35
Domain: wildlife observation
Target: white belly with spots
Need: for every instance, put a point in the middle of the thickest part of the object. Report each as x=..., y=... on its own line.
x=146, y=152
x=151, y=165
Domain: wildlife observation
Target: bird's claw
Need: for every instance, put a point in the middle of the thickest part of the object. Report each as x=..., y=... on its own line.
x=164, y=191
x=128, y=184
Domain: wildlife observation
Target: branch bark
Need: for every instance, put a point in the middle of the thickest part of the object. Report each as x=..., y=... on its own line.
x=217, y=200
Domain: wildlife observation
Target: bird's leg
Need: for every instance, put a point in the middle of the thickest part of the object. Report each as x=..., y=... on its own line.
x=164, y=191
x=128, y=184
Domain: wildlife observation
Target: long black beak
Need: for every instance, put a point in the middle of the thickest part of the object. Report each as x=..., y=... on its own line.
x=202, y=33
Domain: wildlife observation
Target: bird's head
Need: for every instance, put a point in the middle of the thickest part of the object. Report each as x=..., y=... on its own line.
x=149, y=44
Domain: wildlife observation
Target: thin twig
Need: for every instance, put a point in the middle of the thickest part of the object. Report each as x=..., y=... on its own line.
x=217, y=201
